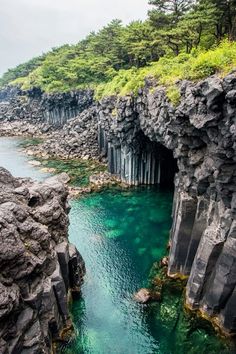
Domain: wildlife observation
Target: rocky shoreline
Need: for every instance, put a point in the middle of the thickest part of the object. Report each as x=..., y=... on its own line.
x=147, y=140
x=39, y=267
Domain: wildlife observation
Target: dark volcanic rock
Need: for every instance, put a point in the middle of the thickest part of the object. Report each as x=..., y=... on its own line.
x=201, y=133
x=36, y=260
x=77, y=138
x=35, y=106
x=147, y=140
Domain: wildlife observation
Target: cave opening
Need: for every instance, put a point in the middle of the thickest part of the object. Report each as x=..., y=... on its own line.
x=159, y=161
x=168, y=166
x=142, y=162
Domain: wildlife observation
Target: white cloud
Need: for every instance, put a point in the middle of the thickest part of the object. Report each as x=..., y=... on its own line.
x=30, y=27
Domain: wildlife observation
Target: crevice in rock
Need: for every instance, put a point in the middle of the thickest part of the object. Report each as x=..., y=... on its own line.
x=33, y=202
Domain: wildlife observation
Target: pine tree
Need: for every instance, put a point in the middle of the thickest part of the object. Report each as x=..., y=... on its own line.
x=173, y=8
x=224, y=17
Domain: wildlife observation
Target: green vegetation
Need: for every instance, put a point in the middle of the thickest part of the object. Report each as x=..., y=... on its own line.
x=167, y=71
x=30, y=142
x=21, y=71
x=79, y=170
x=173, y=94
x=181, y=39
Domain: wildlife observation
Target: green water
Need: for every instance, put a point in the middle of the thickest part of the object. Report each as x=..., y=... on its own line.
x=120, y=234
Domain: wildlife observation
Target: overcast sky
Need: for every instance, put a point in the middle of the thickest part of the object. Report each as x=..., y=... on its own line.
x=31, y=27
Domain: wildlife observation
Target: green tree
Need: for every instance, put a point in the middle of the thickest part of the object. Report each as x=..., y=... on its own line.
x=173, y=27
x=198, y=22
x=224, y=17
x=173, y=8
x=21, y=70
x=140, y=44
x=107, y=42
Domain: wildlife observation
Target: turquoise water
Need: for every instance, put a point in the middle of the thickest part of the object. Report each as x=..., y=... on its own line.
x=120, y=234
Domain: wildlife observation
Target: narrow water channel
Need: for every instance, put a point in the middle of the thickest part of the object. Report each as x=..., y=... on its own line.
x=120, y=234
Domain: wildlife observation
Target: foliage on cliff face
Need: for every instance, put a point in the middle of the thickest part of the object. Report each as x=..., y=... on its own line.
x=180, y=39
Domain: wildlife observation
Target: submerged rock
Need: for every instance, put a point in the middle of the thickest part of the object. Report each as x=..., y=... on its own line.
x=35, y=163
x=38, y=265
x=142, y=296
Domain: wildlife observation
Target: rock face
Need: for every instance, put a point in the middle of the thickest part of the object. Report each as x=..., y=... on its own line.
x=78, y=138
x=35, y=106
x=131, y=154
x=38, y=266
x=201, y=134
x=147, y=140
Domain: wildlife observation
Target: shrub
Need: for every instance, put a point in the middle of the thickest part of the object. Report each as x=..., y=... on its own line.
x=173, y=94
x=168, y=70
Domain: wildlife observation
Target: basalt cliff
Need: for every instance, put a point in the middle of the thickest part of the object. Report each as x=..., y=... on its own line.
x=148, y=140
x=38, y=266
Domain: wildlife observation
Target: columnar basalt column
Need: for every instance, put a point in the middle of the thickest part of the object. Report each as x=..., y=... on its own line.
x=201, y=133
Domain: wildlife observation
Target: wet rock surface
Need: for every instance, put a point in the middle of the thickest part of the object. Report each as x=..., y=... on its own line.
x=38, y=266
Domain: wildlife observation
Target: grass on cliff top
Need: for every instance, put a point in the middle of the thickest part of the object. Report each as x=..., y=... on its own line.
x=167, y=71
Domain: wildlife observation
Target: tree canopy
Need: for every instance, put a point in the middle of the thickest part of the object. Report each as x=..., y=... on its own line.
x=173, y=28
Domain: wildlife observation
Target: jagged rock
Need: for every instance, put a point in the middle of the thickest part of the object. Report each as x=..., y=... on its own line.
x=36, y=260
x=36, y=106
x=103, y=178
x=76, y=268
x=201, y=134
x=144, y=140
